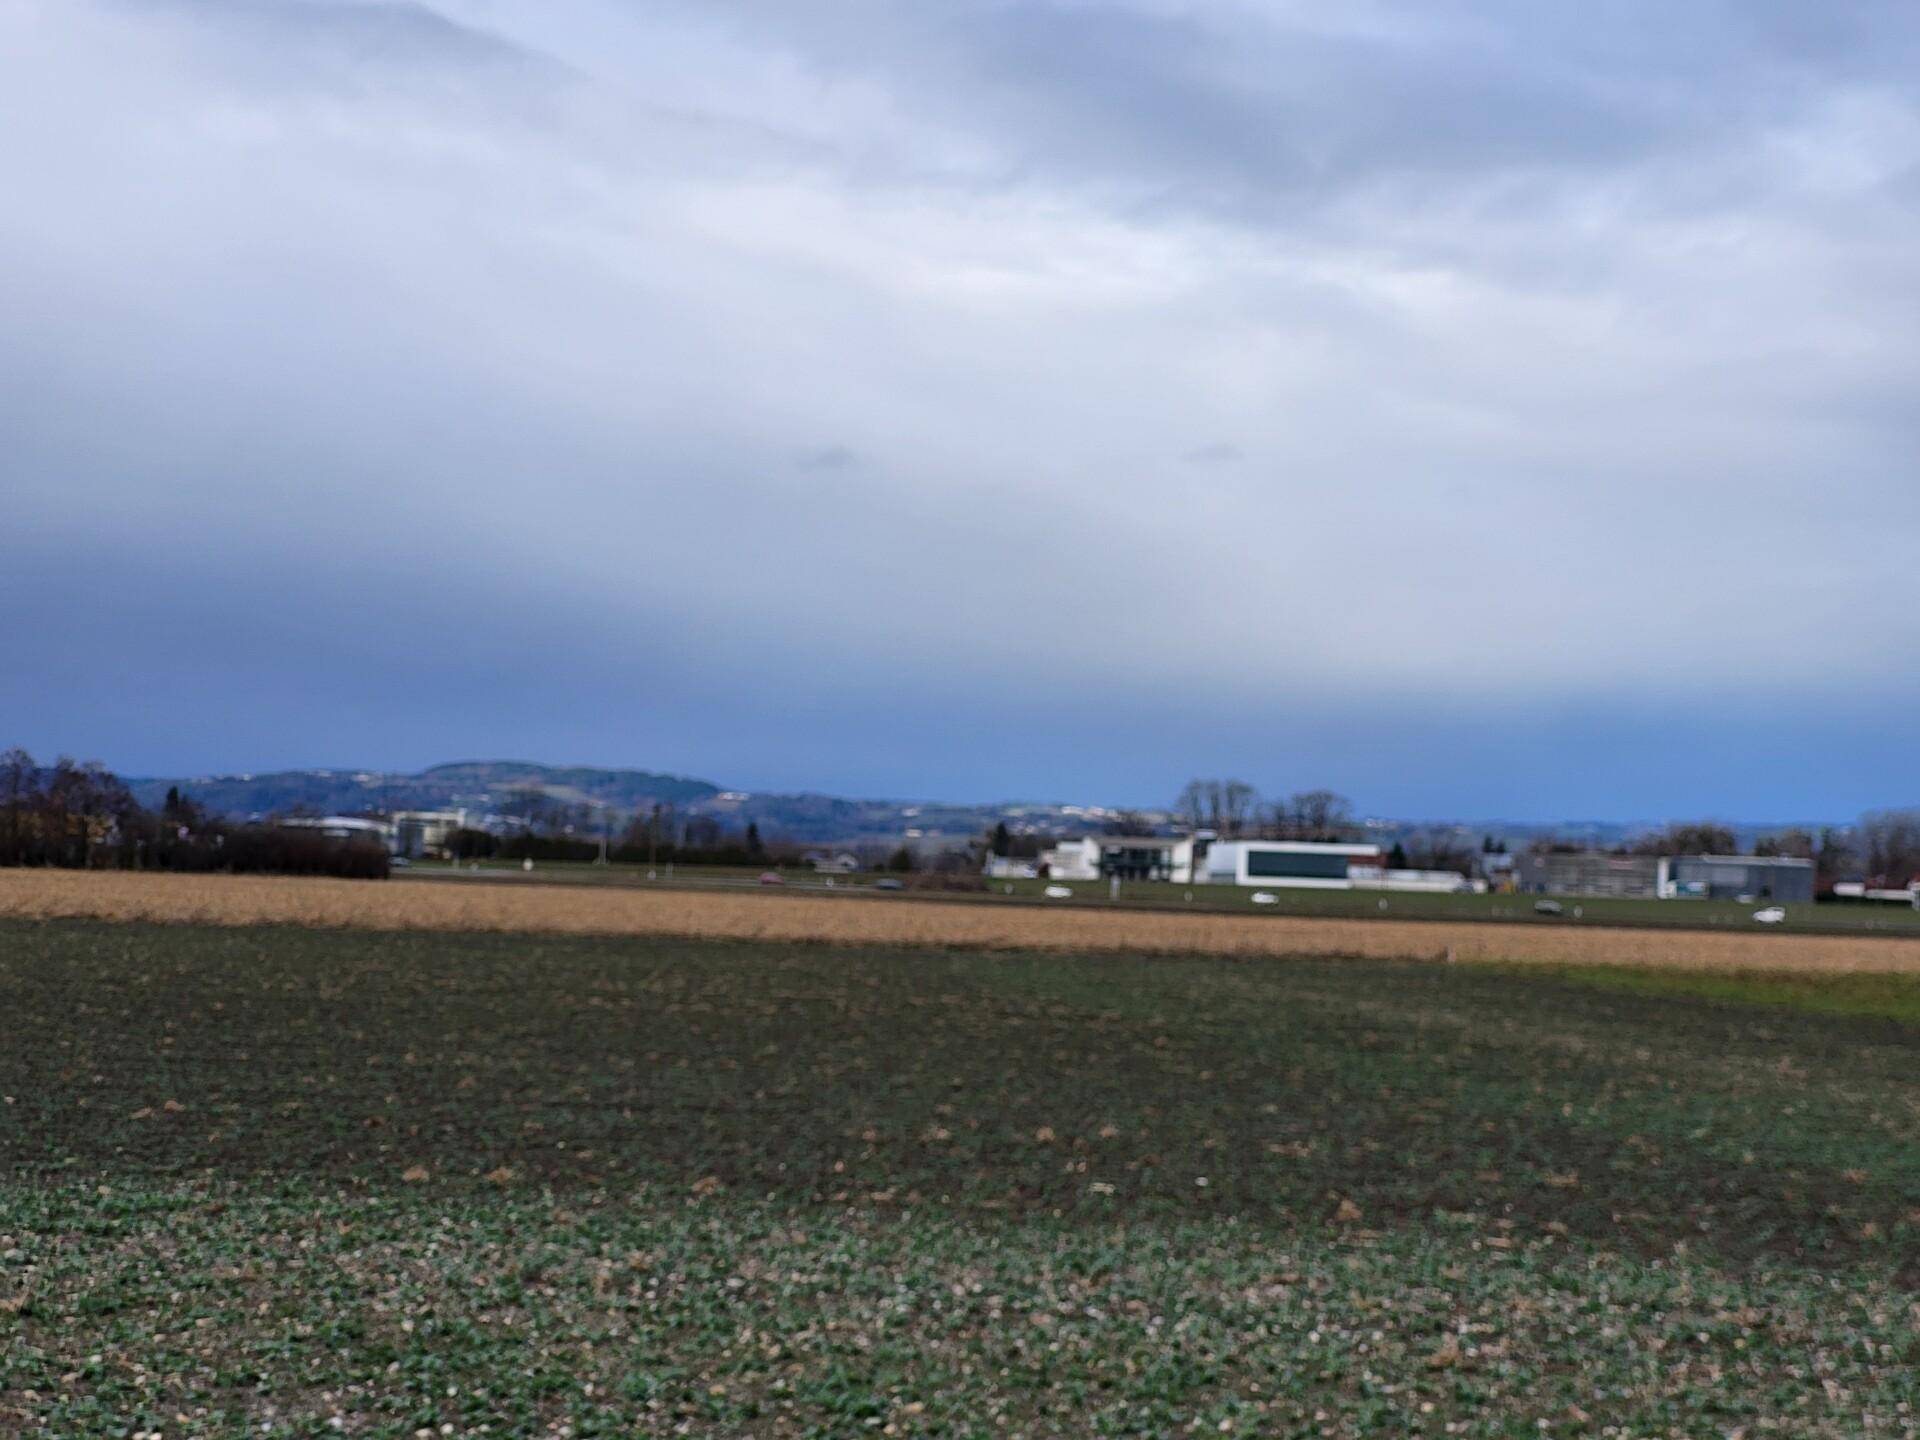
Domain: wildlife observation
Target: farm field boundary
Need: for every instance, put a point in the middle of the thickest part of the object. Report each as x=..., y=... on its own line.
x=418, y=905
x=1588, y=911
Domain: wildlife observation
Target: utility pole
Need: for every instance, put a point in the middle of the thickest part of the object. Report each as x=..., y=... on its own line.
x=653, y=838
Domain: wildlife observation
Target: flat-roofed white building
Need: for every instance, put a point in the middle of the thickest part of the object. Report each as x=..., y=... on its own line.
x=1299, y=864
x=1124, y=857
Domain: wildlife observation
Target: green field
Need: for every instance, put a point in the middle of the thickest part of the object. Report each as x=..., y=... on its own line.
x=1833, y=918
x=279, y=1182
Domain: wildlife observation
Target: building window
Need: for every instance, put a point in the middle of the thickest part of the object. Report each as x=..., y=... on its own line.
x=1295, y=865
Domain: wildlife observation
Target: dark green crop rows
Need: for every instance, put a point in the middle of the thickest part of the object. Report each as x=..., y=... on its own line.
x=285, y=1182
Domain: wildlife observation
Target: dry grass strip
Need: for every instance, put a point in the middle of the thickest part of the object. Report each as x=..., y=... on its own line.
x=443, y=905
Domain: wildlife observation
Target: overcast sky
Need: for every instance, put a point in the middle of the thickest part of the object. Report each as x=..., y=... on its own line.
x=1479, y=406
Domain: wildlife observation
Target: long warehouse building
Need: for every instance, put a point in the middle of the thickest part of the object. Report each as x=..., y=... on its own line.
x=1301, y=864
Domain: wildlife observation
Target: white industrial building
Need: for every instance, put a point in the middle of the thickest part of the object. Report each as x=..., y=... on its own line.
x=1419, y=882
x=1298, y=864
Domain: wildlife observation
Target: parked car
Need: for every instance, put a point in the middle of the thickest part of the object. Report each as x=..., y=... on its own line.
x=1057, y=892
x=889, y=884
x=1547, y=907
x=1265, y=897
x=1772, y=915
x=769, y=877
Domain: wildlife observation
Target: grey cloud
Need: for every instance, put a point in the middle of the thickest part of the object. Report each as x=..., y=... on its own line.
x=1214, y=452
x=354, y=32
x=828, y=457
x=1229, y=109
x=1570, y=334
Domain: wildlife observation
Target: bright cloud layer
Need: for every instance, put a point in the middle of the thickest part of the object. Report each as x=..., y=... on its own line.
x=967, y=397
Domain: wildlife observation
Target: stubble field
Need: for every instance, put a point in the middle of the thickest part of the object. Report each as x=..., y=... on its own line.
x=268, y=1180
x=577, y=909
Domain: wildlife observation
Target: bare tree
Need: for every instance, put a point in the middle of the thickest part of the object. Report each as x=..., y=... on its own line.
x=60, y=797
x=1694, y=837
x=1891, y=841
x=702, y=831
x=1191, y=806
x=85, y=808
x=1835, y=859
x=1238, y=802
x=1788, y=844
x=1225, y=807
x=19, y=787
x=1318, y=815
x=1440, y=850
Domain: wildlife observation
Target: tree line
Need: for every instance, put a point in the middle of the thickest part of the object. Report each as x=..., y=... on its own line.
x=83, y=817
x=658, y=835
x=630, y=847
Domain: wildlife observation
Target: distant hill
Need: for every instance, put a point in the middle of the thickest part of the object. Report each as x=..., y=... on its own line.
x=481, y=786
